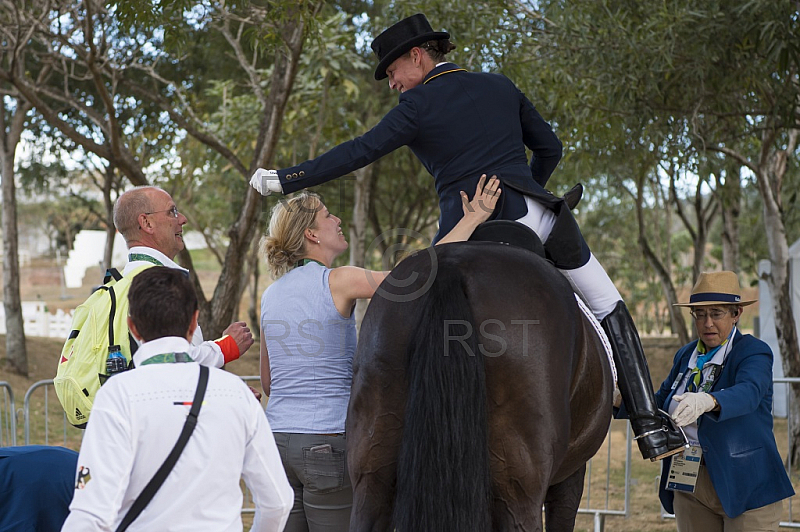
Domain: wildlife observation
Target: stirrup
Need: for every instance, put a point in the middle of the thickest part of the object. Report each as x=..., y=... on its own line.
x=650, y=433
x=671, y=451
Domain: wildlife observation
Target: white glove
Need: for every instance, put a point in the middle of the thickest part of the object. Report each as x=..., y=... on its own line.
x=266, y=182
x=692, y=406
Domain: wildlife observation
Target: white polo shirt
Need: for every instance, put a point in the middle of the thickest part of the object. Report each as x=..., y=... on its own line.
x=136, y=419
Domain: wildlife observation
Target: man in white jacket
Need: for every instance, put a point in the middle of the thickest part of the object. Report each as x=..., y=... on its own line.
x=138, y=416
x=152, y=226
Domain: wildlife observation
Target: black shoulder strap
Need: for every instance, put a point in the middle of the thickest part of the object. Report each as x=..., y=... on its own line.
x=158, y=479
x=112, y=273
x=111, y=315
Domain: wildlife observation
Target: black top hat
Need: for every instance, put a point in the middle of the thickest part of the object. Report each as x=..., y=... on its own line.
x=402, y=37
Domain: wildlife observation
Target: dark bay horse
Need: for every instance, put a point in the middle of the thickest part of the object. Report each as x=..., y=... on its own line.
x=479, y=393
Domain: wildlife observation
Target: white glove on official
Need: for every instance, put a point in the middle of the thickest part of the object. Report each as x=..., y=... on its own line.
x=266, y=182
x=692, y=406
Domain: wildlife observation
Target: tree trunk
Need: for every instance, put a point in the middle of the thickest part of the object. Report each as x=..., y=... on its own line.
x=769, y=179
x=16, y=351
x=254, y=312
x=216, y=314
x=704, y=213
x=251, y=272
x=358, y=230
x=677, y=322
x=111, y=231
x=730, y=199
x=699, y=254
x=778, y=281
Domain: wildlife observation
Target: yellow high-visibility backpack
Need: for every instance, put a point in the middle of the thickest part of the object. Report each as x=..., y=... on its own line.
x=99, y=324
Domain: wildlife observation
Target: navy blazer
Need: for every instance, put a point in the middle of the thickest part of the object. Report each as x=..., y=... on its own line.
x=460, y=125
x=37, y=483
x=738, y=444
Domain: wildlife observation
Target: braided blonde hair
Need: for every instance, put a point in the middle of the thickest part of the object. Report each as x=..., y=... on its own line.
x=285, y=243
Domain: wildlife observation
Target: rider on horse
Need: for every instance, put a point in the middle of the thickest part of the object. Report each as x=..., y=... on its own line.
x=461, y=125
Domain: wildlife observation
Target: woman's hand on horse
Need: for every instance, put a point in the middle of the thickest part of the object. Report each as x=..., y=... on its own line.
x=476, y=211
x=484, y=201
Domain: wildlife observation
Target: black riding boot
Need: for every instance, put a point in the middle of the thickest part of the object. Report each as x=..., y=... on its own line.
x=656, y=435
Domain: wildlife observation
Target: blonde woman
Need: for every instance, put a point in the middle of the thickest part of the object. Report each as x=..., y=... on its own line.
x=308, y=338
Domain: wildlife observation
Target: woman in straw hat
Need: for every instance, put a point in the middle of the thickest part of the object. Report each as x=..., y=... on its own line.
x=460, y=125
x=720, y=391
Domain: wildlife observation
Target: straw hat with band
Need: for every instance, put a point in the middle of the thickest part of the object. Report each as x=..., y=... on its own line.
x=716, y=288
x=400, y=38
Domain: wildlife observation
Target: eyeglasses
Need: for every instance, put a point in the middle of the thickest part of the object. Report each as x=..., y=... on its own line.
x=701, y=315
x=172, y=211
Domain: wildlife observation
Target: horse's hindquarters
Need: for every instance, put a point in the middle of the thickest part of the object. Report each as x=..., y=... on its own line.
x=548, y=399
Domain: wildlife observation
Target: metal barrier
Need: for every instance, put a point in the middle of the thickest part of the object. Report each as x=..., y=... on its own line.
x=70, y=436
x=248, y=506
x=791, y=523
x=8, y=417
x=601, y=511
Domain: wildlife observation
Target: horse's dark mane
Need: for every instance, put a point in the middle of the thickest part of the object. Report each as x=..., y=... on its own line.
x=443, y=478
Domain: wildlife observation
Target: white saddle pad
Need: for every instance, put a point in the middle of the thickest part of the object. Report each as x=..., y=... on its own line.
x=600, y=333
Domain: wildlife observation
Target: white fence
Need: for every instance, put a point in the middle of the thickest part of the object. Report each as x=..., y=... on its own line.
x=8, y=416
x=39, y=321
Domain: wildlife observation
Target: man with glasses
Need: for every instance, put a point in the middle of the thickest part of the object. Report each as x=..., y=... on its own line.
x=720, y=391
x=152, y=226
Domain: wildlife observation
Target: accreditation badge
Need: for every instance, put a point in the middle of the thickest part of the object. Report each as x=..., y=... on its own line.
x=684, y=470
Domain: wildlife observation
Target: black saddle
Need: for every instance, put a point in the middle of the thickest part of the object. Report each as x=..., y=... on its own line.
x=509, y=233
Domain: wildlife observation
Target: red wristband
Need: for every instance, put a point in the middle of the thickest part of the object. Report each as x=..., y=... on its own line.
x=230, y=351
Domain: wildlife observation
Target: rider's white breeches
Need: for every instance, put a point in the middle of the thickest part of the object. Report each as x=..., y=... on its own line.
x=590, y=281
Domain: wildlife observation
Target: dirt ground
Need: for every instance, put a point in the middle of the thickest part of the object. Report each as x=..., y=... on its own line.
x=43, y=356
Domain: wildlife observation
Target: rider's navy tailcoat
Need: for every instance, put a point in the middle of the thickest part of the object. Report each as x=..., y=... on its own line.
x=459, y=125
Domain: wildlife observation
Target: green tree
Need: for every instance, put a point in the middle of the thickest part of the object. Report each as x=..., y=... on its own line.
x=128, y=81
x=727, y=70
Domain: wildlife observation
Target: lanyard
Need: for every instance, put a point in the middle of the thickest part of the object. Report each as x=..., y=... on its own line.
x=707, y=383
x=141, y=256
x=303, y=262
x=167, y=358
